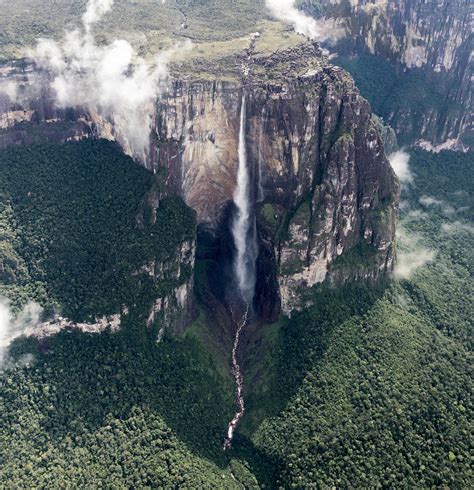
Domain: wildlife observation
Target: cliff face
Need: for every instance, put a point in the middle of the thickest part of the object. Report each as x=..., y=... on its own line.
x=431, y=37
x=28, y=113
x=324, y=194
x=175, y=307
x=323, y=188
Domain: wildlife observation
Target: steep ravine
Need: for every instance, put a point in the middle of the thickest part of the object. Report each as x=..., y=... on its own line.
x=325, y=195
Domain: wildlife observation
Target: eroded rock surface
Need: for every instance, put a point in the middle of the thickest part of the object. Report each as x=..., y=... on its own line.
x=433, y=38
x=322, y=184
x=324, y=193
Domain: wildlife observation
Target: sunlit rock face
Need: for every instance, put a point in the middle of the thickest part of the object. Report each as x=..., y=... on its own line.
x=322, y=186
x=431, y=37
x=324, y=194
x=196, y=143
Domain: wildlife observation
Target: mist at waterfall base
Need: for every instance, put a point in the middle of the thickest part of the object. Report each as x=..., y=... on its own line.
x=244, y=228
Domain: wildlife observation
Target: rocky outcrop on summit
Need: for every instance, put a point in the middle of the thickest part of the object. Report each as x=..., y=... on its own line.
x=323, y=189
x=433, y=38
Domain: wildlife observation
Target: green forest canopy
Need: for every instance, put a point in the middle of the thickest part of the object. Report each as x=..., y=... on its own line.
x=370, y=387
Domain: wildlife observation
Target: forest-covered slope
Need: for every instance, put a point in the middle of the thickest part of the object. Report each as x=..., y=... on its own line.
x=71, y=237
x=113, y=408
x=373, y=388
x=86, y=408
x=369, y=387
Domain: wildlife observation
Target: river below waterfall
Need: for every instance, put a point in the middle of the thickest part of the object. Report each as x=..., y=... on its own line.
x=239, y=379
x=244, y=233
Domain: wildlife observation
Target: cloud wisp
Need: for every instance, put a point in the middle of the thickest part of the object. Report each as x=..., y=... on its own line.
x=412, y=255
x=111, y=81
x=457, y=227
x=96, y=9
x=444, y=207
x=10, y=89
x=12, y=327
x=400, y=163
x=322, y=30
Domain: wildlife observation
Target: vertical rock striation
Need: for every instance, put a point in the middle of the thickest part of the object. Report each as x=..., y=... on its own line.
x=316, y=157
x=324, y=194
x=432, y=38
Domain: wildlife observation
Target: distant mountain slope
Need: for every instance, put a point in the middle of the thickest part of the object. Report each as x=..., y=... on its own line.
x=429, y=47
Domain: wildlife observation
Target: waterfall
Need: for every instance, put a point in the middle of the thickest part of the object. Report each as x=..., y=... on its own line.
x=244, y=226
x=260, y=192
x=244, y=231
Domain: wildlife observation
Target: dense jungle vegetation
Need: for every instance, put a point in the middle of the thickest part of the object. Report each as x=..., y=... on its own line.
x=374, y=387
x=94, y=408
x=70, y=237
x=89, y=407
x=369, y=387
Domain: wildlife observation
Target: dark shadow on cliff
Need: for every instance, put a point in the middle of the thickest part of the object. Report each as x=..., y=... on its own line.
x=277, y=357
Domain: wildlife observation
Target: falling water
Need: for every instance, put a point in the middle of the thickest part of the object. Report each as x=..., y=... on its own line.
x=243, y=226
x=244, y=232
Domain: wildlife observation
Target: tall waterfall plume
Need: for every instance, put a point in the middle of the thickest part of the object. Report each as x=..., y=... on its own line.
x=244, y=229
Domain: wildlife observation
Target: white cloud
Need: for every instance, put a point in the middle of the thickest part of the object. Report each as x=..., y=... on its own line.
x=430, y=201
x=10, y=89
x=12, y=327
x=95, y=10
x=416, y=214
x=111, y=81
x=456, y=227
x=316, y=29
x=411, y=255
x=446, y=208
x=400, y=163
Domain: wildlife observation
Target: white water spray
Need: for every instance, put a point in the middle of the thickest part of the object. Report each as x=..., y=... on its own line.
x=244, y=227
x=244, y=231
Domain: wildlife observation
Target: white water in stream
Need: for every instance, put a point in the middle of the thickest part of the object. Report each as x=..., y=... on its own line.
x=245, y=238
x=239, y=381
